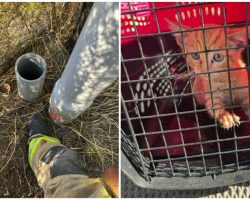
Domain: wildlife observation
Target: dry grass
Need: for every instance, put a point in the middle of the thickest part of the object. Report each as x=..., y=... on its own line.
x=46, y=29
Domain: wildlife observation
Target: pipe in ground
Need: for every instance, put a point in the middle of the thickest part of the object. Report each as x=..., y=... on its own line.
x=30, y=72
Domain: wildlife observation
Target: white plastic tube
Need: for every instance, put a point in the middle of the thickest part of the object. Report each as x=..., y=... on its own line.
x=30, y=72
x=92, y=66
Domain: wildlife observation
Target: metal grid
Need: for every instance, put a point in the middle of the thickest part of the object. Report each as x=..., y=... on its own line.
x=158, y=76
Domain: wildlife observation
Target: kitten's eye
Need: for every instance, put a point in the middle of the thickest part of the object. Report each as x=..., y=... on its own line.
x=195, y=56
x=218, y=57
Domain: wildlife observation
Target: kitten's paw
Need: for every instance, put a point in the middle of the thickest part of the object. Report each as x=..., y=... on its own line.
x=228, y=120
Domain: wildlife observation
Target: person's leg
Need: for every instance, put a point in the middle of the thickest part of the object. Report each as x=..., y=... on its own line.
x=92, y=66
x=59, y=171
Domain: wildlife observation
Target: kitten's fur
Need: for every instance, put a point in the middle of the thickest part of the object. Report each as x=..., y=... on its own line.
x=215, y=39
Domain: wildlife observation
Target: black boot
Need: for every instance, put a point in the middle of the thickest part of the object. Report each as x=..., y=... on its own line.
x=38, y=127
x=65, y=161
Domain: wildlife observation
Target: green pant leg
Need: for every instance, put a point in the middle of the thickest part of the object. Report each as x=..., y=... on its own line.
x=60, y=173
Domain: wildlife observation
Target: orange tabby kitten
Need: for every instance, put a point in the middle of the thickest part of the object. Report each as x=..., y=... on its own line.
x=215, y=61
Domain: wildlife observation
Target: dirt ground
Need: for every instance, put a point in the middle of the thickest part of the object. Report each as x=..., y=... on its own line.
x=48, y=29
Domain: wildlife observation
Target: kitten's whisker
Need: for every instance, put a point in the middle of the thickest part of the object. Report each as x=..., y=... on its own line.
x=185, y=87
x=183, y=91
x=187, y=74
x=181, y=75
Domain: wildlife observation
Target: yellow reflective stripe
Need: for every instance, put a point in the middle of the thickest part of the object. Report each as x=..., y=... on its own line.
x=34, y=143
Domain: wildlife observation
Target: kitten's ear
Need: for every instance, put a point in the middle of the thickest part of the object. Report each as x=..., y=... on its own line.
x=176, y=27
x=237, y=37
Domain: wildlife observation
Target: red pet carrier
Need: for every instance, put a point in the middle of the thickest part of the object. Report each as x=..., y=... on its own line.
x=165, y=134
